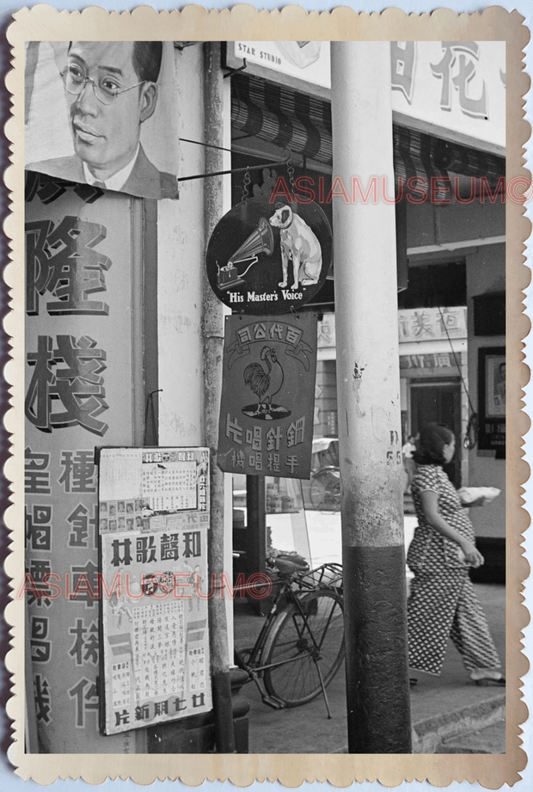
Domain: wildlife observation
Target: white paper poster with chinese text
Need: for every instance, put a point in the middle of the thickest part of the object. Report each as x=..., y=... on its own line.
x=268, y=390
x=153, y=522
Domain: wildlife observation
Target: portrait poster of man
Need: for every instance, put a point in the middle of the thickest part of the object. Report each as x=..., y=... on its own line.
x=103, y=113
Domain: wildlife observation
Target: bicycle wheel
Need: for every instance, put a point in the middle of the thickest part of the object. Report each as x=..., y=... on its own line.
x=296, y=648
x=326, y=490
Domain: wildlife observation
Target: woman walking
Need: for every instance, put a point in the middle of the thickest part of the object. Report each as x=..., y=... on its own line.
x=442, y=601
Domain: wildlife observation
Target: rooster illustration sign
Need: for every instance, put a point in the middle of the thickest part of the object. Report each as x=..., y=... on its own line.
x=265, y=379
x=268, y=390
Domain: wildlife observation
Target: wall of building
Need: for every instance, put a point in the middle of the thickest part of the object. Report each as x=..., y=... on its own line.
x=429, y=225
x=182, y=242
x=181, y=245
x=485, y=274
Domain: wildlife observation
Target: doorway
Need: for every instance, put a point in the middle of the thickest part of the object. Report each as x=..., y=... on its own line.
x=439, y=402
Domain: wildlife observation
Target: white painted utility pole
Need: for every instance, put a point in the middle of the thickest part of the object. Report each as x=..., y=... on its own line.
x=368, y=383
x=213, y=332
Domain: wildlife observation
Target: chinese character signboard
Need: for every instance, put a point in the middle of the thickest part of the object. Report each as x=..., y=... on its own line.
x=153, y=521
x=432, y=324
x=457, y=87
x=103, y=113
x=269, y=256
x=414, y=324
x=79, y=282
x=266, y=414
x=435, y=360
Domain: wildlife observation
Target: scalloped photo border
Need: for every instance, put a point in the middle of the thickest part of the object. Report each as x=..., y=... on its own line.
x=244, y=22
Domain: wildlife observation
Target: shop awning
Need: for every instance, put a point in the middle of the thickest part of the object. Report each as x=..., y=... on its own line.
x=281, y=116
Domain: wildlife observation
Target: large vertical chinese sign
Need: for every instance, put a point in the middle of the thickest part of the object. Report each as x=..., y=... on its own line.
x=79, y=394
x=268, y=388
x=154, y=516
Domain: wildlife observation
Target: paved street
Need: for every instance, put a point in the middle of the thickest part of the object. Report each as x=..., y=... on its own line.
x=443, y=709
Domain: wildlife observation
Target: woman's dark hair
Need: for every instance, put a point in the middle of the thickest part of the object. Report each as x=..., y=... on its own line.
x=430, y=445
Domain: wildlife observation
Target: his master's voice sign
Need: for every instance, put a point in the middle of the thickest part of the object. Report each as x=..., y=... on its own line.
x=267, y=256
x=268, y=392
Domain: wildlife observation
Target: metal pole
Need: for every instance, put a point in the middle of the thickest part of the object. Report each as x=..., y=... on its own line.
x=256, y=532
x=213, y=333
x=368, y=382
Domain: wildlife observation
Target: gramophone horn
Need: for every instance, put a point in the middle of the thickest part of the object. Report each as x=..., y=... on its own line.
x=260, y=241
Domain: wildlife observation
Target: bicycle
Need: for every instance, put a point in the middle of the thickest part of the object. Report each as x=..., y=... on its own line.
x=325, y=489
x=300, y=646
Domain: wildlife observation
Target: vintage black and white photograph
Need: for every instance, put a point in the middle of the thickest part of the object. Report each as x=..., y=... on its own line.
x=264, y=400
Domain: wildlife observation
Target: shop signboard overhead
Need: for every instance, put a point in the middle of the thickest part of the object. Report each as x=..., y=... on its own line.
x=452, y=89
x=303, y=63
x=268, y=391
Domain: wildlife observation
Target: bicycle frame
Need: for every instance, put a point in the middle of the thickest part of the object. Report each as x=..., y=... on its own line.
x=252, y=666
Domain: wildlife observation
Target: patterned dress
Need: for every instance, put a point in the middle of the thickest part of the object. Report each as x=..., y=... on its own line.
x=442, y=601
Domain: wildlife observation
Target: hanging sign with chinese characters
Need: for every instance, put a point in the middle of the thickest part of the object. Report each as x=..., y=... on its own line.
x=268, y=386
x=153, y=521
x=268, y=256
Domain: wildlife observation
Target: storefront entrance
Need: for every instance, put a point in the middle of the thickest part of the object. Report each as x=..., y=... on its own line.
x=441, y=402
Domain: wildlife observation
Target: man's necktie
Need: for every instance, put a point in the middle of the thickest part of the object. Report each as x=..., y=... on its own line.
x=99, y=184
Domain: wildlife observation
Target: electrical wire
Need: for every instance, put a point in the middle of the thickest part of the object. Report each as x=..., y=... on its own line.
x=207, y=145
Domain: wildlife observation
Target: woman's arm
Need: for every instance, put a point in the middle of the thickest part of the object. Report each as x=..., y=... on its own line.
x=430, y=507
